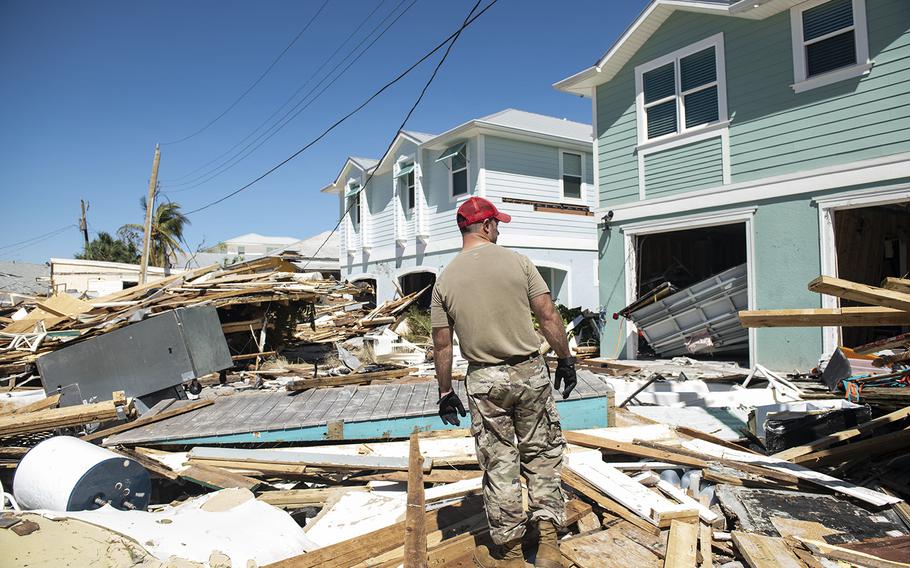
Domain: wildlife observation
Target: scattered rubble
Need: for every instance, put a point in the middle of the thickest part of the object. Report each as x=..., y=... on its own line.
x=324, y=431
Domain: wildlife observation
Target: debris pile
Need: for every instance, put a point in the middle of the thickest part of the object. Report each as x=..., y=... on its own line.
x=342, y=461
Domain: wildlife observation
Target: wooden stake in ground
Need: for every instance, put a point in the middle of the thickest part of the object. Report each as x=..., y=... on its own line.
x=415, y=522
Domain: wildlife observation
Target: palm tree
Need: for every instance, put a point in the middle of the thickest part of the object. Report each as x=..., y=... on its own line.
x=107, y=248
x=167, y=233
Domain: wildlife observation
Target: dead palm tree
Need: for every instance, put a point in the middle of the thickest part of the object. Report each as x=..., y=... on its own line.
x=166, y=234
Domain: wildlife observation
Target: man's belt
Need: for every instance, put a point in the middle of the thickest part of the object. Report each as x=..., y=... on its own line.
x=511, y=361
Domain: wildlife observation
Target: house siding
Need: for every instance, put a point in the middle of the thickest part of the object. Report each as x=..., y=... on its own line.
x=686, y=168
x=381, y=209
x=773, y=130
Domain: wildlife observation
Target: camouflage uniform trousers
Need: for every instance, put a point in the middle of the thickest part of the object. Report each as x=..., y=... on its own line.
x=516, y=429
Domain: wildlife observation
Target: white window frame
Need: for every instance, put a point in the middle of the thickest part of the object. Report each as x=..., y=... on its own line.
x=582, y=189
x=359, y=224
x=801, y=82
x=717, y=42
x=401, y=187
x=452, y=172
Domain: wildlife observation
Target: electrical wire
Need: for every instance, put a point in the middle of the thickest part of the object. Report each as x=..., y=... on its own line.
x=287, y=118
x=338, y=122
x=35, y=240
x=426, y=86
x=256, y=82
x=300, y=88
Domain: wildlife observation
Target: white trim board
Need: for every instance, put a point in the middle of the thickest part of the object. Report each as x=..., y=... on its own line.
x=799, y=183
x=630, y=263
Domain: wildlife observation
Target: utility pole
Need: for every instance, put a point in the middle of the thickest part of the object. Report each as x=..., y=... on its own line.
x=149, y=205
x=83, y=225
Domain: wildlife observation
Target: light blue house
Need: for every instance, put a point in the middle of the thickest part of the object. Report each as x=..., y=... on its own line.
x=774, y=133
x=400, y=231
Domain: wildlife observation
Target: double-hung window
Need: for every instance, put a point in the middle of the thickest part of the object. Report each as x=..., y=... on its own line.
x=406, y=184
x=829, y=42
x=682, y=91
x=571, y=175
x=458, y=168
x=354, y=204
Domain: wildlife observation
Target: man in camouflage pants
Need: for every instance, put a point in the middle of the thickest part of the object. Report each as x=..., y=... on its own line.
x=486, y=296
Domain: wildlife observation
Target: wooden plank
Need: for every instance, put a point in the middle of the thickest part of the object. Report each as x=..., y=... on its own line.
x=784, y=467
x=218, y=478
x=682, y=545
x=48, y=402
x=53, y=418
x=863, y=293
x=350, y=552
x=670, y=490
x=142, y=421
x=705, y=534
x=897, y=284
x=827, y=441
x=883, y=444
x=578, y=484
x=765, y=551
x=610, y=548
x=328, y=461
x=148, y=463
x=436, y=476
x=821, y=548
x=859, y=316
x=597, y=442
x=300, y=498
x=415, y=526
x=888, y=343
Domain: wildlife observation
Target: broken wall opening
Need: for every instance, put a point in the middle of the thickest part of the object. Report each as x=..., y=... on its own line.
x=687, y=257
x=415, y=282
x=872, y=243
x=366, y=291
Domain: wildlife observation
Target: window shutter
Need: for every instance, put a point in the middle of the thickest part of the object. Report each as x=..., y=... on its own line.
x=659, y=83
x=698, y=69
x=662, y=119
x=830, y=54
x=827, y=18
x=701, y=107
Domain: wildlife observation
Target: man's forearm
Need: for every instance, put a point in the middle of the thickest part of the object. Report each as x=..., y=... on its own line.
x=442, y=359
x=555, y=334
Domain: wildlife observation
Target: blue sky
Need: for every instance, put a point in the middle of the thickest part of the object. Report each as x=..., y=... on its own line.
x=89, y=87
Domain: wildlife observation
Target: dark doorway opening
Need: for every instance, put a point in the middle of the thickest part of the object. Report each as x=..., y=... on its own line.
x=417, y=281
x=872, y=244
x=684, y=258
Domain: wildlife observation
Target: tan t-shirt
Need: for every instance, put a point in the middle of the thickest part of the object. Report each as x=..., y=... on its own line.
x=485, y=295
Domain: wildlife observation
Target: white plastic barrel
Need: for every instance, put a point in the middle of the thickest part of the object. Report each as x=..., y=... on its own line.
x=67, y=474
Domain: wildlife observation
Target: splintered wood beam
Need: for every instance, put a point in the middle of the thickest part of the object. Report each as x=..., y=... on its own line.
x=614, y=446
x=897, y=284
x=351, y=379
x=860, y=316
x=863, y=293
x=415, y=525
x=52, y=418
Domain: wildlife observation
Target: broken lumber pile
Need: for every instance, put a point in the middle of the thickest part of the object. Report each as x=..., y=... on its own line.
x=61, y=318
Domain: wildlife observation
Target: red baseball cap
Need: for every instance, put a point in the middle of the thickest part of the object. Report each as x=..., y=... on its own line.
x=477, y=209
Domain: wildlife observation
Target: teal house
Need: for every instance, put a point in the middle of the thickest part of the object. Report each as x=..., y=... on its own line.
x=773, y=134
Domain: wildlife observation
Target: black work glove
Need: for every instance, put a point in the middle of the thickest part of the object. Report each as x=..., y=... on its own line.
x=565, y=372
x=449, y=408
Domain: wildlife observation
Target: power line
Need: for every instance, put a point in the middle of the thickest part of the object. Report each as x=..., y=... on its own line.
x=307, y=82
x=426, y=86
x=337, y=123
x=287, y=118
x=256, y=82
x=35, y=240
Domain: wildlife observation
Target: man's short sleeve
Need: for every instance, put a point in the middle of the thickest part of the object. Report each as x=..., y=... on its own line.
x=536, y=283
x=438, y=315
